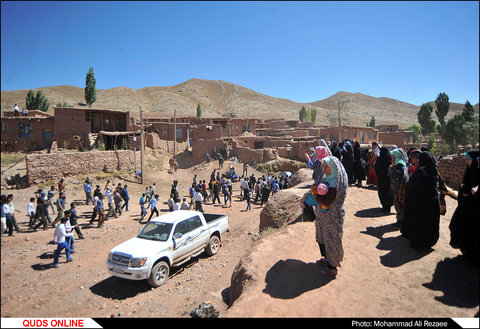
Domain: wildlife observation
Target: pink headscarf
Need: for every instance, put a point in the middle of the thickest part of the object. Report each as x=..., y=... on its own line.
x=321, y=152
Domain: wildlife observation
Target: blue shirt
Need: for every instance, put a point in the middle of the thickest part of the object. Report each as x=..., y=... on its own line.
x=99, y=204
x=87, y=188
x=153, y=203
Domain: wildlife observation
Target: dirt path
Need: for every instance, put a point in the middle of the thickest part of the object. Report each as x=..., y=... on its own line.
x=30, y=287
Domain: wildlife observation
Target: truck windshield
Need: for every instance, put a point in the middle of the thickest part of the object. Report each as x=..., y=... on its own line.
x=155, y=231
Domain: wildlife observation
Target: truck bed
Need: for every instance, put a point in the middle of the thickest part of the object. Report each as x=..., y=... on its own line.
x=212, y=217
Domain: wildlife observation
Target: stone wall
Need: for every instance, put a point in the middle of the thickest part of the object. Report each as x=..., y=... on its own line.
x=451, y=168
x=54, y=166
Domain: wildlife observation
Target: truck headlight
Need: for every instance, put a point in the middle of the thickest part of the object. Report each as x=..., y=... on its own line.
x=110, y=256
x=138, y=262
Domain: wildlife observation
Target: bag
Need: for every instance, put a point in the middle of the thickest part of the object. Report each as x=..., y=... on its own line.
x=308, y=214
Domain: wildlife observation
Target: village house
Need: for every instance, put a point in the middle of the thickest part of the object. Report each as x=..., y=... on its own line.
x=27, y=133
x=80, y=127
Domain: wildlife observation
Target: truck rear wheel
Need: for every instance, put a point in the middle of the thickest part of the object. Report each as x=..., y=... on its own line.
x=159, y=274
x=213, y=245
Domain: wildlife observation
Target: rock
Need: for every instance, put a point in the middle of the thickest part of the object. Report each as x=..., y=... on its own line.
x=282, y=208
x=301, y=176
x=205, y=310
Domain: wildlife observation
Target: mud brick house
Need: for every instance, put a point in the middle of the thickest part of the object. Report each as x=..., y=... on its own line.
x=188, y=127
x=80, y=127
x=27, y=133
x=391, y=135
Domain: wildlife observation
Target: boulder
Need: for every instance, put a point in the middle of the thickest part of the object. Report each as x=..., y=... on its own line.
x=301, y=177
x=283, y=208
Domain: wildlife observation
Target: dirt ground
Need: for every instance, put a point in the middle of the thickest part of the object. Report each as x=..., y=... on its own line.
x=31, y=287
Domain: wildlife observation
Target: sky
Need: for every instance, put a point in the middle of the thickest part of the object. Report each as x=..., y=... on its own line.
x=302, y=51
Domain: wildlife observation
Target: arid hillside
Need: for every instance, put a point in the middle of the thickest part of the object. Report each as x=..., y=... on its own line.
x=220, y=98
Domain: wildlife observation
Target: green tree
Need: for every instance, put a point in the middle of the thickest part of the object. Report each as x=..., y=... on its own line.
x=468, y=112
x=443, y=105
x=199, y=111
x=90, y=88
x=454, y=131
x=415, y=129
x=471, y=129
x=425, y=120
x=303, y=114
x=313, y=114
x=372, y=122
x=36, y=102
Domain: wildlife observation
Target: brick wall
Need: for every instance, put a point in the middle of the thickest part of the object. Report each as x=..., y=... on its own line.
x=57, y=165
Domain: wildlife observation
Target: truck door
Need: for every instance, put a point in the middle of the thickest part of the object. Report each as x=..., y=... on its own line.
x=199, y=231
x=185, y=244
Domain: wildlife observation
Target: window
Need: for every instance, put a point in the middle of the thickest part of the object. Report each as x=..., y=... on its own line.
x=194, y=223
x=188, y=225
x=24, y=129
x=179, y=134
x=182, y=227
x=4, y=126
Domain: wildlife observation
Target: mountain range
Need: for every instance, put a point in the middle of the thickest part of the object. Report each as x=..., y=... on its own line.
x=223, y=99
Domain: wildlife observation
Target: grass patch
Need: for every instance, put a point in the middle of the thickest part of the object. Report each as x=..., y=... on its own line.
x=11, y=158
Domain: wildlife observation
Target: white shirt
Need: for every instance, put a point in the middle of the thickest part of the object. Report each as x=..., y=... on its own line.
x=197, y=196
x=31, y=208
x=6, y=209
x=60, y=233
x=176, y=206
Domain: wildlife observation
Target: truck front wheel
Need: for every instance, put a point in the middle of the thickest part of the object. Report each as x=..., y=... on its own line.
x=159, y=274
x=213, y=245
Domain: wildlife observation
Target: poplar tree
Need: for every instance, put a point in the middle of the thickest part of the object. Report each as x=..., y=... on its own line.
x=443, y=105
x=90, y=88
x=199, y=111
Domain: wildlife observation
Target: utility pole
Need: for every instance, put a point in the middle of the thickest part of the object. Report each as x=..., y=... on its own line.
x=141, y=147
x=174, y=132
x=340, y=105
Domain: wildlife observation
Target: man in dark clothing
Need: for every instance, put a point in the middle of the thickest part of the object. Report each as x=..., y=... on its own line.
x=40, y=214
x=216, y=192
x=125, y=197
x=73, y=220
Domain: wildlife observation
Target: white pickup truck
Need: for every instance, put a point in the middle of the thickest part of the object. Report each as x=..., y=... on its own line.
x=166, y=241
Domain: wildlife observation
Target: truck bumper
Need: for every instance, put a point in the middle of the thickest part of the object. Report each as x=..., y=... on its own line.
x=140, y=273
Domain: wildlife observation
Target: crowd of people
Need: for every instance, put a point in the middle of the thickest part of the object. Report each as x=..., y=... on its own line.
x=252, y=190
x=408, y=181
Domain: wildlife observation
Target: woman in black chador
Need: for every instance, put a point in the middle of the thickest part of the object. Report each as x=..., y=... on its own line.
x=383, y=180
x=422, y=208
x=464, y=226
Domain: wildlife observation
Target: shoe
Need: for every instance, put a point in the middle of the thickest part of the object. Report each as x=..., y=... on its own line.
x=332, y=272
x=70, y=260
x=57, y=265
x=73, y=252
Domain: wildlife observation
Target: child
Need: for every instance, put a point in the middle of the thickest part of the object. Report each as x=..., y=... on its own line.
x=31, y=212
x=322, y=189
